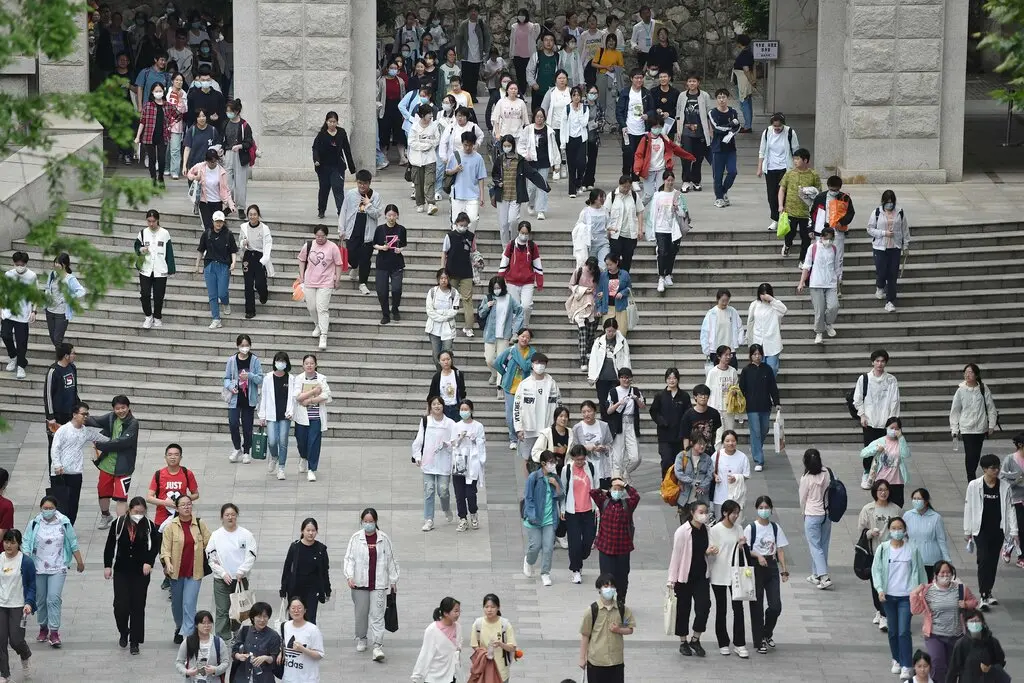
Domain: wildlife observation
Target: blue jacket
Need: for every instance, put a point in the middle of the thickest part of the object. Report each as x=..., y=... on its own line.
x=513, y=319
x=28, y=544
x=509, y=362
x=407, y=107
x=255, y=379
x=646, y=103
x=534, y=496
x=601, y=295
x=928, y=534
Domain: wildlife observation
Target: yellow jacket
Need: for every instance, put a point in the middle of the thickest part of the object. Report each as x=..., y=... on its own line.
x=173, y=544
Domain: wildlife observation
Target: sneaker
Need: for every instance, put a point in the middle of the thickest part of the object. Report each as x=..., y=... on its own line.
x=773, y=226
x=890, y=307
x=572, y=195
x=395, y=315
x=134, y=649
x=310, y=475
x=44, y=635
x=1020, y=562
x=563, y=543
x=147, y=323
x=378, y=654
x=383, y=165
x=826, y=582
x=419, y=208
x=463, y=525
x=449, y=516
x=26, y=667
x=157, y=322
x=879, y=293
x=428, y=525
x=363, y=289
x=696, y=187
x=883, y=624
x=272, y=464
x=770, y=642
x=725, y=198
x=385, y=320
x=785, y=250
x=215, y=324
x=906, y=673
x=697, y=648
x=246, y=458
x=719, y=203
x=541, y=216
x=818, y=339
x=636, y=186
x=316, y=332
x=105, y=524
x=577, y=577
x=865, y=483
x=512, y=445
x=830, y=331
x=684, y=647
x=875, y=619
x=321, y=215
x=668, y=281
x=20, y=373
x=895, y=668
x=545, y=579
x=758, y=468
x=235, y=454
x=303, y=465
x=11, y=364
x=583, y=367
x=661, y=284
x=466, y=331
x=812, y=579
x=724, y=651
x=225, y=309
x=529, y=210
x=992, y=600
x=437, y=196
x=741, y=651
x=527, y=568
x=178, y=639
x=280, y=474
x=54, y=639
x=686, y=187
x=474, y=522
x=762, y=649
x=361, y=645
x=323, y=342
x=431, y=209
x=983, y=604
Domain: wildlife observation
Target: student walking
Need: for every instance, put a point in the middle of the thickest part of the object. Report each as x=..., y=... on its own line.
x=972, y=416
x=14, y=323
x=876, y=398
x=277, y=405
x=543, y=496
x=306, y=570
x=726, y=543
x=389, y=240
x=372, y=572
x=331, y=155
x=155, y=264
x=231, y=552
x=602, y=655
x=59, y=311
x=469, y=454
x=182, y=550
x=890, y=237
x=256, y=243
x=217, y=254
x=312, y=394
x=212, y=194
x=51, y=542
x=779, y=143
x=362, y=207
x=796, y=188
x=320, y=273
x=817, y=525
x=67, y=459
x=614, y=541
x=818, y=272
x=432, y=453
x=133, y=544
x=725, y=124
x=579, y=478
x=18, y=587
x=989, y=519
x=243, y=377
x=765, y=541
x=896, y=571
x=689, y=577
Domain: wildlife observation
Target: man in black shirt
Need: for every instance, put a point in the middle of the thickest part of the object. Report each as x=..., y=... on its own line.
x=665, y=99
x=60, y=393
x=701, y=417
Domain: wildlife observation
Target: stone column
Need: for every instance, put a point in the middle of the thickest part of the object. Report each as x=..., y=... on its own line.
x=294, y=62
x=71, y=74
x=791, y=79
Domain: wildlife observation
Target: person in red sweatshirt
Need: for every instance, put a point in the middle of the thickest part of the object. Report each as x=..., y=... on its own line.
x=522, y=269
x=654, y=156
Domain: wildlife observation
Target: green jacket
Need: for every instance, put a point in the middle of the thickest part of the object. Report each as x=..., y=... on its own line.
x=880, y=568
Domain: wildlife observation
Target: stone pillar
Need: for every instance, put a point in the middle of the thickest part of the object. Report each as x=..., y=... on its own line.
x=71, y=74
x=294, y=62
x=791, y=79
x=892, y=123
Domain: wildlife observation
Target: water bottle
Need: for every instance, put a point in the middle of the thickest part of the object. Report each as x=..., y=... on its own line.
x=956, y=443
x=24, y=620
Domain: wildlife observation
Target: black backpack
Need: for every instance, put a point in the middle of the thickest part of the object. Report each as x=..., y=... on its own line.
x=593, y=614
x=849, y=396
x=835, y=498
x=789, y=137
x=863, y=557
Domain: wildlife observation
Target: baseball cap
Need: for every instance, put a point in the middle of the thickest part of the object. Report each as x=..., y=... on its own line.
x=218, y=215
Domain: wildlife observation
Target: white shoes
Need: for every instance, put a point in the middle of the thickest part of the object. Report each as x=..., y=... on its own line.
x=540, y=215
x=463, y=525
x=883, y=624
x=720, y=204
x=686, y=187
x=879, y=293
x=527, y=568
x=512, y=445
x=668, y=281
x=303, y=465
x=225, y=309
x=310, y=475
x=316, y=332
x=741, y=651
x=895, y=668
x=466, y=331
x=157, y=322
x=378, y=654
x=773, y=226
x=147, y=323
x=431, y=211
x=906, y=673
x=215, y=324
x=419, y=208
x=725, y=198
x=818, y=339
x=323, y=342
x=246, y=459
x=875, y=619
x=758, y=468
x=428, y=525
x=19, y=373
x=280, y=474
x=865, y=483
x=636, y=186
x=661, y=284
x=890, y=307
x=724, y=651
x=474, y=522
x=361, y=645
x=235, y=455
x=11, y=365
x=545, y=579
x=577, y=577
x=363, y=289
x=272, y=464
x=563, y=543
x=830, y=331
x=529, y=210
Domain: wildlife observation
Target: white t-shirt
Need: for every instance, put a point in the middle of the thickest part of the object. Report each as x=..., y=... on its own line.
x=591, y=433
x=232, y=547
x=899, y=571
x=765, y=542
x=726, y=540
x=300, y=667
x=211, y=186
x=203, y=656
x=719, y=381
x=777, y=152
x=11, y=591
x=629, y=407
x=473, y=43
x=736, y=464
x=449, y=391
x=821, y=261
x=635, y=113
x=657, y=154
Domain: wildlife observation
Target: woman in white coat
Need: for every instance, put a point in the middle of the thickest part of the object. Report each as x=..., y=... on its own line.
x=432, y=453
x=609, y=354
x=370, y=593
x=440, y=658
x=311, y=394
x=469, y=454
x=256, y=266
x=277, y=405
x=764, y=322
x=554, y=104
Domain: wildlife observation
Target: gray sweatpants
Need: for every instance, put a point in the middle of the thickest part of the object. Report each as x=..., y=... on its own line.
x=12, y=632
x=238, y=178
x=369, y=609
x=826, y=307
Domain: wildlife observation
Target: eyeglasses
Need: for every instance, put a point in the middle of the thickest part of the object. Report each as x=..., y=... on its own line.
x=84, y=414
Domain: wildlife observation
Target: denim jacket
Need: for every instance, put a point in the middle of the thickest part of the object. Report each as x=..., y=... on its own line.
x=535, y=495
x=601, y=297
x=255, y=379
x=513, y=319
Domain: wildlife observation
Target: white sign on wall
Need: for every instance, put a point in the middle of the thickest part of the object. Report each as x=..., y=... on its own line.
x=765, y=50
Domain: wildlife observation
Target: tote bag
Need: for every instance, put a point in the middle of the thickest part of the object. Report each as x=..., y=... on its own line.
x=668, y=609
x=742, y=577
x=241, y=602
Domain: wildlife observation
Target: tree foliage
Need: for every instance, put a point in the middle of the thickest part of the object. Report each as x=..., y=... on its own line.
x=49, y=27
x=754, y=16
x=1007, y=40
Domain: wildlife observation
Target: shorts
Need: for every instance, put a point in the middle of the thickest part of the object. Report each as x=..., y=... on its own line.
x=114, y=486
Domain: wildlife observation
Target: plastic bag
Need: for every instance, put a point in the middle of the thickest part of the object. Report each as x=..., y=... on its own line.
x=783, y=227
x=780, y=434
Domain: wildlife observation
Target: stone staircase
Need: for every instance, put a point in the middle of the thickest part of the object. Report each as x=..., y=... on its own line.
x=959, y=303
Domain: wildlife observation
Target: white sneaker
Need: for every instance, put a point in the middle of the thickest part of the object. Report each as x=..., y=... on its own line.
x=865, y=483
x=303, y=465
x=431, y=209
x=323, y=342
x=527, y=568
x=512, y=445
x=545, y=579
x=661, y=284
x=668, y=281
x=246, y=458
x=577, y=577
x=895, y=667
x=686, y=187
x=830, y=331
x=906, y=673
x=719, y=203
x=463, y=525
x=378, y=654
x=875, y=619
x=310, y=475
x=11, y=364
x=428, y=525
x=824, y=582
x=225, y=309
x=540, y=216
x=235, y=455
x=474, y=522
x=563, y=543
x=363, y=289
x=271, y=464
x=437, y=196
x=280, y=474
x=316, y=332
x=773, y=226
x=883, y=624
x=758, y=468
x=741, y=651
x=725, y=198
x=529, y=210
x=157, y=322
x=724, y=651
x=879, y=293
x=215, y=325
x=466, y=331
x=361, y=645
x=20, y=373
x=890, y=307
x=572, y=195
x=449, y=517
x=419, y=208
x=636, y=186
x=818, y=339
x=147, y=323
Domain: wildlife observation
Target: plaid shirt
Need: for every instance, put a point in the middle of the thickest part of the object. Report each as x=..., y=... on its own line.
x=171, y=116
x=615, y=532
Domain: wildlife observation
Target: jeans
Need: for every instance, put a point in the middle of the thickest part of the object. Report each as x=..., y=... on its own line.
x=667, y=252
x=438, y=175
x=174, y=155
x=887, y=270
x=747, y=109
x=435, y=484
x=581, y=529
x=698, y=148
x=49, y=588
x=216, y=275
x=723, y=163
x=759, y=424
x=825, y=302
x=151, y=292
x=465, y=496
x=739, y=635
x=599, y=249
x=437, y=345
x=307, y=439
x=509, y=398
x=277, y=439
x=241, y=416
x=538, y=197
x=818, y=530
x=897, y=612
x=768, y=583
x=540, y=541
x=184, y=597
x=773, y=363
x=330, y=179
x=651, y=184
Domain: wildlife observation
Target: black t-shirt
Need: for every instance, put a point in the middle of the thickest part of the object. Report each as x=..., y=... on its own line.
x=744, y=59
x=691, y=115
x=359, y=229
x=388, y=260
x=666, y=101
x=699, y=561
x=724, y=119
x=559, y=441
x=543, y=160
x=219, y=246
x=281, y=394
x=243, y=365
x=707, y=423
x=662, y=57
x=991, y=512
x=158, y=128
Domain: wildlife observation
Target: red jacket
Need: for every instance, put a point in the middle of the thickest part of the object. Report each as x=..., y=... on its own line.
x=642, y=158
x=521, y=265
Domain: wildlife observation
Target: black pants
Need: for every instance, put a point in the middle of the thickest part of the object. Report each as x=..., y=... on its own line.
x=772, y=179
x=254, y=275
x=988, y=542
x=331, y=179
x=628, y=152
x=130, y=588
x=72, y=484
x=617, y=566
x=801, y=226
x=624, y=247
x=603, y=386
x=767, y=583
x=312, y=601
x=359, y=253
x=157, y=154
x=240, y=424
x=874, y=599
x=667, y=450
x=519, y=63
x=605, y=674
x=12, y=632
x=465, y=496
x=698, y=148
x=896, y=494
x=57, y=326
x=869, y=434
x=581, y=528
x=394, y=278
x=470, y=77
x=576, y=160
x=390, y=126
x=887, y=272
x=667, y=252
x=206, y=211
x=699, y=592
x=739, y=634
x=591, y=169
x=151, y=292
x=15, y=336
x=973, y=444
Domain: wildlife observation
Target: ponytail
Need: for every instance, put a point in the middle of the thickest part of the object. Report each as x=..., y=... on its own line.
x=446, y=606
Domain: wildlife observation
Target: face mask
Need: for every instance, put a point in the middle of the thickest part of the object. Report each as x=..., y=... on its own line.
x=522, y=17
x=137, y=518
x=539, y=368
x=826, y=243
x=700, y=517
x=232, y=115
x=944, y=580
x=507, y=149
x=204, y=50
x=975, y=627
x=49, y=514
x=280, y=366
x=244, y=350
x=496, y=291
x=891, y=433
x=918, y=504
x=423, y=100
x=550, y=467
x=592, y=96
x=405, y=53
x=618, y=495
x=158, y=95
x=652, y=74
x=521, y=239
x=610, y=593
x=436, y=22
x=20, y=270
x=447, y=108
x=832, y=194
x=392, y=72
x=197, y=25
x=369, y=527
x=897, y=534
x=656, y=132
x=465, y=414
x=764, y=514
x=205, y=85
x=888, y=206
x=461, y=228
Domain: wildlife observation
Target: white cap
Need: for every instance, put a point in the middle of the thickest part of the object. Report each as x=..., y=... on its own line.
x=218, y=215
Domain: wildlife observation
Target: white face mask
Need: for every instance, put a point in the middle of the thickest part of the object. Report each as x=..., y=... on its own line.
x=550, y=467
x=891, y=433
x=507, y=149
x=158, y=95
x=137, y=518
x=539, y=368
x=281, y=365
x=20, y=270
x=244, y=350
x=521, y=239
x=459, y=227
x=827, y=243
x=700, y=517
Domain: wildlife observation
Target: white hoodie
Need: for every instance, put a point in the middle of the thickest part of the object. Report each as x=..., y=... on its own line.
x=882, y=400
x=534, y=405
x=968, y=413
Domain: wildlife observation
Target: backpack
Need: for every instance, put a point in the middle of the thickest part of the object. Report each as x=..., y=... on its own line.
x=593, y=614
x=632, y=192
x=670, y=488
x=835, y=498
x=849, y=396
x=184, y=470
x=789, y=137
x=250, y=156
x=863, y=557
x=449, y=180
x=750, y=541
x=735, y=401
x=507, y=656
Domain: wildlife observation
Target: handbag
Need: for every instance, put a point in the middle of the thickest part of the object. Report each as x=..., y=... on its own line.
x=632, y=314
x=449, y=180
x=742, y=577
x=408, y=174
x=780, y=433
x=391, y=613
x=298, y=291
x=282, y=614
x=259, y=445
x=783, y=228
x=193, y=192
x=668, y=610
x=241, y=602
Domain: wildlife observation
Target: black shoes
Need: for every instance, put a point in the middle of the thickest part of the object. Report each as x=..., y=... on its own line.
x=684, y=649
x=123, y=641
x=134, y=649
x=385, y=320
x=697, y=648
x=241, y=215
x=762, y=647
x=320, y=215
x=178, y=638
x=395, y=315
x=250, y=316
